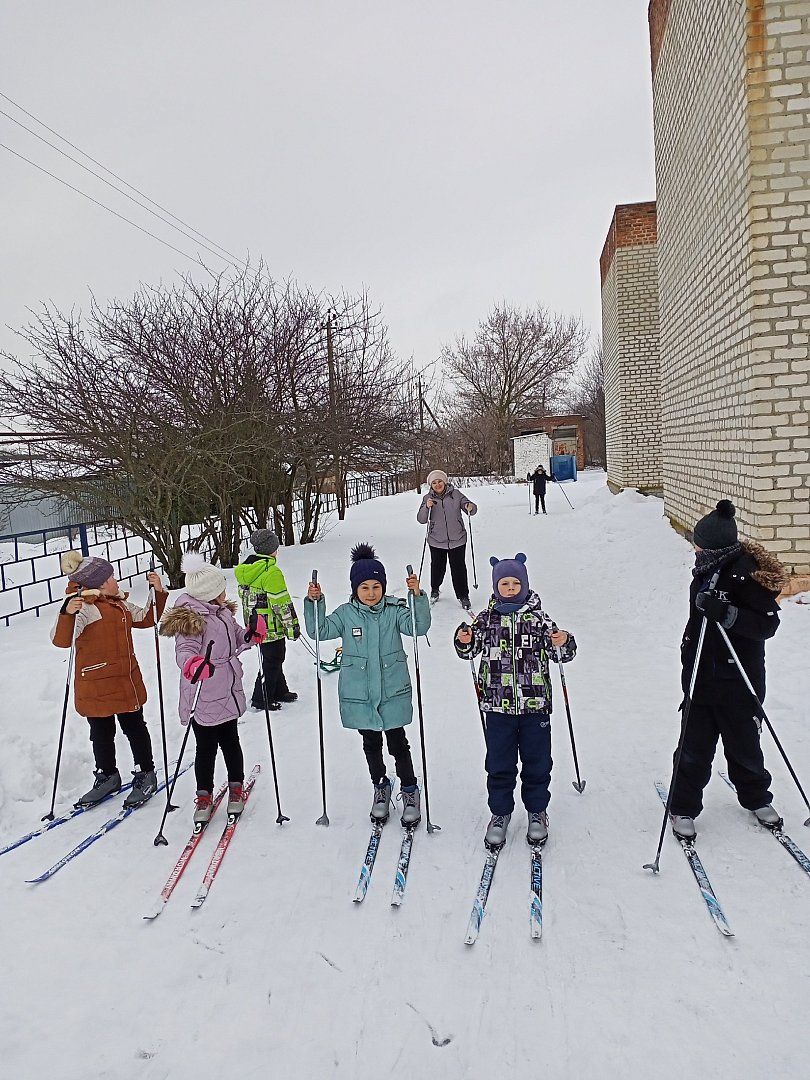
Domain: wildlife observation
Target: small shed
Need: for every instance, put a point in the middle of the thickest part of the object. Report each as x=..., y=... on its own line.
x=529, y=451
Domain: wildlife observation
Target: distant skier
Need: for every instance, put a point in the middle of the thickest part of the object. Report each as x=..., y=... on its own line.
x=262, y=586
x=374, y=687
x=743, y=602
x=201, y=614
x=442, y=506
x=515, y=638
x=107, y=679
x=539, y=478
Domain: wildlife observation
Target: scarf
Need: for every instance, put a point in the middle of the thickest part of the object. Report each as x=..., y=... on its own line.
x=706, y=562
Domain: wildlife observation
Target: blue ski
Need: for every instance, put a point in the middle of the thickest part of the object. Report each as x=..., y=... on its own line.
x=787, y=843
x=402, y=866
x=108, y=826
x=368, y=864
x=67, y=816
x=480, y=904
x=701, y=877
x=536, y=896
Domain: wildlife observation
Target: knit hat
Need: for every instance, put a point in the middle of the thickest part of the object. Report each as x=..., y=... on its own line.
x=90, y=572
x=516, y=568
x=717, y=529
x=203, y=581
x=264, y=542
x=437, y=474
x=366, y=567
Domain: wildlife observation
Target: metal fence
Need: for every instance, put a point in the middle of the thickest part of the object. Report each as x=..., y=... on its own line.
x=30, y=573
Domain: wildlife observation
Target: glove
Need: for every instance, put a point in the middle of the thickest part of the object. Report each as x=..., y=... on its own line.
x=256, y=630
x=720, y=611
x=296, y=633
x=197, y=668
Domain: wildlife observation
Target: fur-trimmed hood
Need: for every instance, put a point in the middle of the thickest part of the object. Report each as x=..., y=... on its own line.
x=188, y=619
x=769, y=572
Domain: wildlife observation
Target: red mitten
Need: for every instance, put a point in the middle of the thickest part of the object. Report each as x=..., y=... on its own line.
x=197, y=668
x=256, y=629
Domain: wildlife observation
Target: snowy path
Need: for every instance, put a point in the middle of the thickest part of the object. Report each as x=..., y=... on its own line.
x=281, y=976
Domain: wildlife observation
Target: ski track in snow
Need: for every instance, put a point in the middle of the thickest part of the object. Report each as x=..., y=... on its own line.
x=281, y=975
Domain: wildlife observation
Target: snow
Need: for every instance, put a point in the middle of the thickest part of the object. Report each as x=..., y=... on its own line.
x=280, y=975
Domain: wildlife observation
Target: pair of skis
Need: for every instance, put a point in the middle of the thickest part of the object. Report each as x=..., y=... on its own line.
x=713, y=905
x=485, y=884
x=403, y=863
x=191, y=846
x=102, y=830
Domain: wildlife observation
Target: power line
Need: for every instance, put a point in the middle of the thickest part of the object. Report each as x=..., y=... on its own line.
x=121, y=180
x=103, y=206
x=120, y=191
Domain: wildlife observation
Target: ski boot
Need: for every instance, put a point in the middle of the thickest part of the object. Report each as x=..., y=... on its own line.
x=411, y=808
x=434, y=595
x=767, y=816
x=382, y=797
x=495, y=836
x=236, y=799
x=288, y=697
x=105, y=784
x=144, y=786
x=465, y=603
x=203, y=807
x=683, y=826
x=537, y=833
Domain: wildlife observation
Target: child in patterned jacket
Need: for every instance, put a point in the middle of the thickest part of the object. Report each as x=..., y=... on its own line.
x=515, y=637
x=262, y=588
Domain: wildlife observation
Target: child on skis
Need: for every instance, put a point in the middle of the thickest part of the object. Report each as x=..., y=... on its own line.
x=262, y=588
x=97, y=616
x=201, y=614
x=515, y=637
x=374, y=687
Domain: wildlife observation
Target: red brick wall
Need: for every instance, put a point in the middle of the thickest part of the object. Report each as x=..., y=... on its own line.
x=657, y=16
x=633, y=225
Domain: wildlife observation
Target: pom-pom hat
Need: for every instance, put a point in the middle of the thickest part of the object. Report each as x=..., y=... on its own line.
x=717, y=529
x=203, y=581
x=514, y=568
x=366, y=567
x=89, y=572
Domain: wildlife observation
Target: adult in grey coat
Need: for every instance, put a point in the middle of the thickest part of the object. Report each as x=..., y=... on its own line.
x=441, y=511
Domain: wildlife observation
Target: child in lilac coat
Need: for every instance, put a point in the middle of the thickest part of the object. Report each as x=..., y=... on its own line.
x=200, y=615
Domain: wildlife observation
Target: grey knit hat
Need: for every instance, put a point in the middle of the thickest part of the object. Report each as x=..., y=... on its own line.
x=717, y=529
x=264, y=542
x=89, y=572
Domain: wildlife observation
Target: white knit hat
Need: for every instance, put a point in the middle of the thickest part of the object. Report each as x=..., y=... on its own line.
x=203, y=581
x=437, y=474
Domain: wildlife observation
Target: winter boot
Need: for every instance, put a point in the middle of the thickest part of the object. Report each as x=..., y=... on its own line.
x=411, y=808
x=495, y=835
x=683, y=826
x=434, y=595
x=288, y=697
x=236, y=799
x=105, y=784
x=767, y=816
x=203, y=808
x=382, y=797
x=537, y=833
x=465, y=603
x=144, y=786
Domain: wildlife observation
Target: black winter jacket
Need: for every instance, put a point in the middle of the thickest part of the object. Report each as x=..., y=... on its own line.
x=539, y=481
x=751, y=580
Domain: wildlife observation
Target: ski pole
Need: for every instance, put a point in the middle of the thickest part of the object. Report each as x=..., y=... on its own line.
x=564, y=495
x=49, y=815
x=687, y=708
x=324, y=818
x=153, y=605
x=530, y=487
x=160, y=839
x=281, y=817
x=579, y=784
x=472, y=550
x=763, y=716
x=424, y=547
x=431, y=828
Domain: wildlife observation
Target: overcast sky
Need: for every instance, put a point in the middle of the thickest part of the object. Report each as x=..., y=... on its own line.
x=445, y=155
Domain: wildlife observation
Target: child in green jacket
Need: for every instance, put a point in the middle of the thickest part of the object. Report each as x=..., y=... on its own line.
x=262, y=586
x=374, y=687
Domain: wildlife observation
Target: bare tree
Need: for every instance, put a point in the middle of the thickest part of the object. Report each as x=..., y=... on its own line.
x=587, y=398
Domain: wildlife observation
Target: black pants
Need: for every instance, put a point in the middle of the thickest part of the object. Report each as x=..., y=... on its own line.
x=539, y=500
x=398, y=747
x=102, y=736
x=458, y=569
x=272, y=659
x=225, y=736
x=732, y=717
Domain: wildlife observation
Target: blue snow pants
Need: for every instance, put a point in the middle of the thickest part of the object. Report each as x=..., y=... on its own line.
x=527, y=736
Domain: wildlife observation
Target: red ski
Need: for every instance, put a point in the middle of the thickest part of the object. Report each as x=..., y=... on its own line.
x=224, y=841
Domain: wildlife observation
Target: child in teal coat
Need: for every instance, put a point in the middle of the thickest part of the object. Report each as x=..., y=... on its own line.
x=374, y=686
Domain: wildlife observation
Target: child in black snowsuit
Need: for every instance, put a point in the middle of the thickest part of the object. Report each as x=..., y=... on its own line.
x=734, y=585
x=515, y=637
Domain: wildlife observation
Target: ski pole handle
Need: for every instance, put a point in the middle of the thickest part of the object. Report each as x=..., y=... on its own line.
x=196, y=676
x=314, y=577
x=409, y=570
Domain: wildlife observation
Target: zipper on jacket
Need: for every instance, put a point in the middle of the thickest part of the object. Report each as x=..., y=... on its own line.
x=93, y=667
x=232, y=657
x=514, y=664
